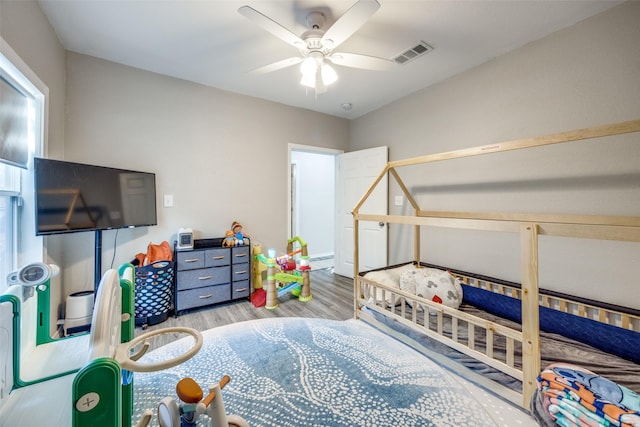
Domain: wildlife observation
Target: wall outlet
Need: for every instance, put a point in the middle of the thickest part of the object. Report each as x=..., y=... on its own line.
x=399, y=200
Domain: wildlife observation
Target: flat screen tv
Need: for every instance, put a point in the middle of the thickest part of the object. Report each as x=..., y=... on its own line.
x=72, y=197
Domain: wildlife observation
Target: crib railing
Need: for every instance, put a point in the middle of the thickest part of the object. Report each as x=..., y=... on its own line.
x=495, y=345
x=607, y=315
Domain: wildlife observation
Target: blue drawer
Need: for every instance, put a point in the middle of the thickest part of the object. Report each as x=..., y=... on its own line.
x=216, y=257
x=239, y=254
x=203, y=277
x=240, y=289
x=240, y=272
x=190, y=260
x=193, y=298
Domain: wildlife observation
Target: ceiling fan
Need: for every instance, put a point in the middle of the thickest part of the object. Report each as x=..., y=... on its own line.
x=317, y=44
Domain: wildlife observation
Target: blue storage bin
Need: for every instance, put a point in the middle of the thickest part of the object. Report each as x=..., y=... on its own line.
x=154, y=292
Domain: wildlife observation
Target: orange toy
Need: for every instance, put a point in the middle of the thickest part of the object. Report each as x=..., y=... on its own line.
x=189, y=391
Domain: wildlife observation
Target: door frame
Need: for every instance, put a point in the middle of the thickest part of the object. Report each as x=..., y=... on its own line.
x=308, y=149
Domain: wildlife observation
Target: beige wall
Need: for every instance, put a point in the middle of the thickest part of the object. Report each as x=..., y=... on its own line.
x=222, y=156
x=583, y=76
x=26, y=30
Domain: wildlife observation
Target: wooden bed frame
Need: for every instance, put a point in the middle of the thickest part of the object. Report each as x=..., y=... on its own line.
x=529, y=227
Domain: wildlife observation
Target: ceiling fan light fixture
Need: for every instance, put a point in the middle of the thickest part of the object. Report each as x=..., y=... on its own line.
x=329, y=75
x=308, y=67
x=317, y=74
x=308, y=80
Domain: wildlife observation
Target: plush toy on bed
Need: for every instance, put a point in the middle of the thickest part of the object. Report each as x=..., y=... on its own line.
x=433, y=284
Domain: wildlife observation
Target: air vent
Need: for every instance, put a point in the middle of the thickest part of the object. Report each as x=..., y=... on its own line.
x=410, y=54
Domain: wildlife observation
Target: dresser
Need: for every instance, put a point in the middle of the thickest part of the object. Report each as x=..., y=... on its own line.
x=210, y=274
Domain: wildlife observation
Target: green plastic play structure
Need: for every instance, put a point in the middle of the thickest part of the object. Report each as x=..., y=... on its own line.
x=284, y=275
x=98, y=392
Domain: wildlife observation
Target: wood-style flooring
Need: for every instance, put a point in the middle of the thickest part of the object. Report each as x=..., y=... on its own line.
x=332, y=299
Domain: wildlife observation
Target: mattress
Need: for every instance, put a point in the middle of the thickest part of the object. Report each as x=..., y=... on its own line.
x=555, y=347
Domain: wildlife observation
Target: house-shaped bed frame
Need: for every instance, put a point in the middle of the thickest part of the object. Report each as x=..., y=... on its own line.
x=529, y=227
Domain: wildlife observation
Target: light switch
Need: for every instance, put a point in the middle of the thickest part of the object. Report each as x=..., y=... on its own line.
x=168, y=200
x=399, y=200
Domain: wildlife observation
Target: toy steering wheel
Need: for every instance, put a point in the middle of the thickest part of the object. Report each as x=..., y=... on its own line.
x=129, y=361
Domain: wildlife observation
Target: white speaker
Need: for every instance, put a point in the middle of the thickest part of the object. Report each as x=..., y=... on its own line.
x=185, y=239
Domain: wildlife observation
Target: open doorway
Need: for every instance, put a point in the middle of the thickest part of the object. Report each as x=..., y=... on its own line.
x=312, y=202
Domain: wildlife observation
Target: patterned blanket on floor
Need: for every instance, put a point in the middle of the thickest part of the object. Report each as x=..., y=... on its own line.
x=294, y=372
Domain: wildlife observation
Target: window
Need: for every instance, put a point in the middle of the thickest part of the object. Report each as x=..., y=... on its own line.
x=15, y=107
x=21, y=137
x=9, y=193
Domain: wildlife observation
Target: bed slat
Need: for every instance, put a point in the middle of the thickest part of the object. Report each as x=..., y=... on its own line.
x=491, y=330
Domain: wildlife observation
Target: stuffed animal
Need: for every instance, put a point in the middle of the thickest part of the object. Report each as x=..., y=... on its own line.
x=236, y=227
x=229, y=239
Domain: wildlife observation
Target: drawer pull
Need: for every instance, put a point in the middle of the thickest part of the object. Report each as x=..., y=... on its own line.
x=241, y=255
x=205, y=296
x=241, y=290
x=192, y=260
x=241, y=272
x=218, y=257
x=204, y=277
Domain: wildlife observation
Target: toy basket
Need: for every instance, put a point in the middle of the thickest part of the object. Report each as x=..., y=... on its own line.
x=154, y=292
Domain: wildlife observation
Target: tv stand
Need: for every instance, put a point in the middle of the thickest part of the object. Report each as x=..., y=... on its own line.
x=97, y=267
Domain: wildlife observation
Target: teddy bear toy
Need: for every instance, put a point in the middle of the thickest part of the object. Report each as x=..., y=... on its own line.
x=229, y=239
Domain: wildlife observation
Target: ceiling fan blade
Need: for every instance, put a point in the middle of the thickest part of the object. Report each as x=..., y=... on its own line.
x=360, y=61
x=272, y=26
x=277, y=65
x=350, y=22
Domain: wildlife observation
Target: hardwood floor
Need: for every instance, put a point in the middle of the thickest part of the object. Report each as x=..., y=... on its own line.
x=332, y=299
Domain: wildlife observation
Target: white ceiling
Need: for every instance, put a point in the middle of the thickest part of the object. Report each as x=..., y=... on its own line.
x=209, y=42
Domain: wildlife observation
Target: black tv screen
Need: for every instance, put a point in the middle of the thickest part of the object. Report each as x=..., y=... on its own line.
x=74, y=197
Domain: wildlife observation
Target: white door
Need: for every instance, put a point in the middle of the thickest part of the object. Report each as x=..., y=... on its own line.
x=355, y=172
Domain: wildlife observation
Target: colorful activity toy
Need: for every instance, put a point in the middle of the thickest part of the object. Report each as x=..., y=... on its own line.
x=285, y=275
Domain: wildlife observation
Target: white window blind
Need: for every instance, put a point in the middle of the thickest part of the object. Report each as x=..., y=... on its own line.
x=15, y=105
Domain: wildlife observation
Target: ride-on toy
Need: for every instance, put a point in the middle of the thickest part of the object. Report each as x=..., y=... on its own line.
x=170, y=414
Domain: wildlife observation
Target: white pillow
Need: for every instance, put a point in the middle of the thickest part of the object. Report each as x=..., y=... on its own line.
x=390, y=278
x=433, y=284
